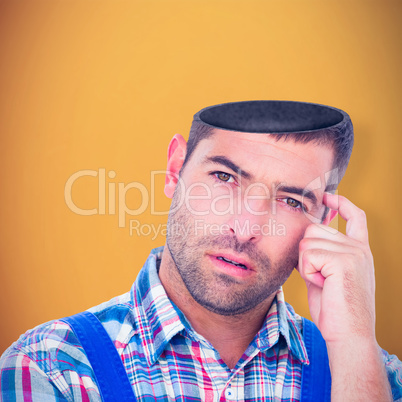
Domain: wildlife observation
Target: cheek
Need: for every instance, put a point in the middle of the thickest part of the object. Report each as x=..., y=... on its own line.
x=203, y=200
x=295, y=220
x=198, y=199
x=284, y=234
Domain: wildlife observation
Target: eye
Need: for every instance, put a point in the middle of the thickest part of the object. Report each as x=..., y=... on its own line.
x=293, y=203
x=225, y=177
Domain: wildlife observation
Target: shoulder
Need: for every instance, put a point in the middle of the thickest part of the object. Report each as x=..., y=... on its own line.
x=49, y=345
x=46, y=363
x=50, y=356
x=54, y=345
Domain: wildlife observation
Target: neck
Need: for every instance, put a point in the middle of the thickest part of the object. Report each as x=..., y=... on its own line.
x=229, y=335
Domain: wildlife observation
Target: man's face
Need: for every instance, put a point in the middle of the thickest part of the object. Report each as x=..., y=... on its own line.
x=238, y=214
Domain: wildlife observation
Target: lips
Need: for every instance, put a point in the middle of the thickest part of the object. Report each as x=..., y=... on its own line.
x=233, y=260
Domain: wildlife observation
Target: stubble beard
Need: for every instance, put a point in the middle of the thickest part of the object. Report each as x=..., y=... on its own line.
x=220, y=293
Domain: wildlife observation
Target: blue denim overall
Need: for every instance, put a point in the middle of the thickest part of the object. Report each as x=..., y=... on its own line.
x=114, y=385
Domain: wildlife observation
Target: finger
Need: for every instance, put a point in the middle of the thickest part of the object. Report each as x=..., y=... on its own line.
x=343, y=246
x=356, y=223
x=311, y=265
x=321, y=231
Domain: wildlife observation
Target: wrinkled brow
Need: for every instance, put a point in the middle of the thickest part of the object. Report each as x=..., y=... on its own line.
x=299, y=191
x=225, y=161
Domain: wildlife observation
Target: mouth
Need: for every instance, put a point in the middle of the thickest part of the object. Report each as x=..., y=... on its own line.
x=232, y=264
x=237, y=264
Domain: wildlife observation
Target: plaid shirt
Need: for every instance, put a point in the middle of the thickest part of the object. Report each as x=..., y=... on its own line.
x=164, y=357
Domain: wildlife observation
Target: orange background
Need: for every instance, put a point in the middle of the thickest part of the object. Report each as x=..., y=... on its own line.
x=104, y=84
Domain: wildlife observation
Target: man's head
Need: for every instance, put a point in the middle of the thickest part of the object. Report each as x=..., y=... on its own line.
x=242, y=201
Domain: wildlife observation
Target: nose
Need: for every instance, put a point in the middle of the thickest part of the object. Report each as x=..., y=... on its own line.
x=251, y=218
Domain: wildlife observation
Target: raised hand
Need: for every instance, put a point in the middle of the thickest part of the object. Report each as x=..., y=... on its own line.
x=339, y=273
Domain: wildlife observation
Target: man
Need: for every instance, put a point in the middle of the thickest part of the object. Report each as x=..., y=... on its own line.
x=206, y=318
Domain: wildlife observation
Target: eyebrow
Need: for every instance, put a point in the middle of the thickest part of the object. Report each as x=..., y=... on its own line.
x=299, y=191
x=223, y=160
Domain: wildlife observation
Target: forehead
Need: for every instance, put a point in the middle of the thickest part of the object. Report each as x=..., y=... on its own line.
x=266, y=157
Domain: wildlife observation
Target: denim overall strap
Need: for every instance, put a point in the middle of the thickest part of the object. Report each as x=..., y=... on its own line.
x=316, y=377
x=110, y=374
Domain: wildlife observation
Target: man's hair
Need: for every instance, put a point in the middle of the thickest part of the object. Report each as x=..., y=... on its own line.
x=284, y=120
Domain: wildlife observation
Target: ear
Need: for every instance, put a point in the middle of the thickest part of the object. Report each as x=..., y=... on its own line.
x=330, y=215
x=176, y=155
